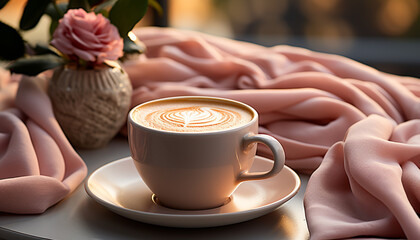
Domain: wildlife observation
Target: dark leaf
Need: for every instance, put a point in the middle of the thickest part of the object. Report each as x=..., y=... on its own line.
x=133, y=47
x=34, y=65
x=74, y=4
x=56, y=13
x=93, y=3
x=104, y=7
x=12, y=44
x=42, y=50
x=34, y=9
x=53, y=26
x=155, y=4
x=125, y=14
x=3, y=3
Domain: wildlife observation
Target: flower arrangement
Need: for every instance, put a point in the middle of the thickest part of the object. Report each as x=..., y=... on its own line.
x=87, y=36
x=86, y=33
x=87, y=39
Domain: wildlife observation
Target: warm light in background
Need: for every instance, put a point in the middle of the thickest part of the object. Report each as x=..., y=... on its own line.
x=397, y=16
x=199, y=15
x=11, y=14
x=329, y=18
x=366, y=30
x=189, y=13
x=382, y=33
x=265, y=19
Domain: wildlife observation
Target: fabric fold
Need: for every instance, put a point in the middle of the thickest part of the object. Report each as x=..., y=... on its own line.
x=38, y=166
x=355, y=127
x=368, y=184
x=306, y=99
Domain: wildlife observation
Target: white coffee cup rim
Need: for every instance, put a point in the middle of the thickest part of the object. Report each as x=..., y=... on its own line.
x=252, y=110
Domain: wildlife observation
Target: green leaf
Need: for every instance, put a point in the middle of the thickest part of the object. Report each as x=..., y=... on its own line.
x=125, y=14
x=53, y=26
x=56, y=11
x=12, y=44
x=155, y=4
x=34, y=9
x=93, y=3
x=3, y=3
x=104, y=7
x=132, y=47
x=42, y=50
x=74, y=4
x=35, y=65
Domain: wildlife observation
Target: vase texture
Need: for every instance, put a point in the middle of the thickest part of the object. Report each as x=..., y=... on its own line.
x=91, y=105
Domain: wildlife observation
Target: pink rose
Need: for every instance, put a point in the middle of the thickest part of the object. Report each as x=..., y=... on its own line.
x=88, y=36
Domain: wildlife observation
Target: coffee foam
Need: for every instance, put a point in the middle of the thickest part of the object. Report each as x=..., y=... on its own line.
x=191, y=116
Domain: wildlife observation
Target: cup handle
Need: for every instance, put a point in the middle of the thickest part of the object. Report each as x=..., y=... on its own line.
x=275, y=147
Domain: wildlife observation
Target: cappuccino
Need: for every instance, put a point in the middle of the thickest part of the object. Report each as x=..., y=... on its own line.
x=191, y=115
x=192, y=152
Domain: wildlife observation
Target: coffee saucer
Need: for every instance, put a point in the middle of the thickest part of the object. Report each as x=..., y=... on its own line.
x=119, y=187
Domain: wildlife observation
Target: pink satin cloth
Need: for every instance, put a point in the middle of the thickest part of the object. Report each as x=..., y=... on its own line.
x=38, y=166
x=356, y=128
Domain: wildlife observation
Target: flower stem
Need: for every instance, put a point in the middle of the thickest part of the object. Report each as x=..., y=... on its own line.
x=59, y=12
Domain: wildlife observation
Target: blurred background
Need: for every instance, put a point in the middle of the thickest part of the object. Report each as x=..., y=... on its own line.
x=384, y=34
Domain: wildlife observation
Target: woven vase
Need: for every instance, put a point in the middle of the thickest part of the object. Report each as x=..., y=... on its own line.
x=91, y=106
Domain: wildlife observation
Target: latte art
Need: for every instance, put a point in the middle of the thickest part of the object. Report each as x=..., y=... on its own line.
x=191, y=116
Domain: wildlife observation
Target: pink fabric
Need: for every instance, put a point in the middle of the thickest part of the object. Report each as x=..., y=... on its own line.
x=368, y=184
x=8, y=88
x=307, y=100
x=38, y=166
x=357, y=129
x=357, y=124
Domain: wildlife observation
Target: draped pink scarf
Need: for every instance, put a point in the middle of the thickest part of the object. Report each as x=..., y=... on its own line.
x=355, y=129
x=38, y=166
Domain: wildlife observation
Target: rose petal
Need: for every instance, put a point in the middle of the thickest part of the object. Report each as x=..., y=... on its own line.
x=85, y=55
x=89, y=36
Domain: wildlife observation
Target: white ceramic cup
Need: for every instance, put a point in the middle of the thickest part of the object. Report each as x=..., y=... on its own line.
x=198, y=170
